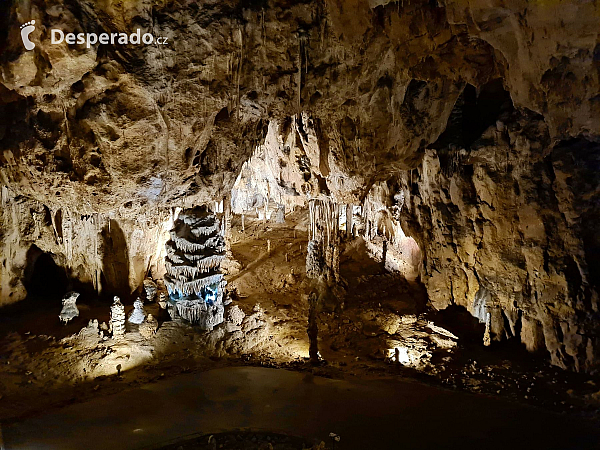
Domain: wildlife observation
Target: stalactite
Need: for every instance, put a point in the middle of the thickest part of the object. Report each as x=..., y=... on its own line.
x=323, y=257
x=67, y=225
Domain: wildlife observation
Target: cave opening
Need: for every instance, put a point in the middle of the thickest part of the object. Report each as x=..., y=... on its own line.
x=43, y=277
x=475, y=110
x=115, y=261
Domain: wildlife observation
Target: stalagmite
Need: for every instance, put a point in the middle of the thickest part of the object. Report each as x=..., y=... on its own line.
x=150, y=289
x=280, y=218
x=148, y=327
x=162, y=301
x=117, y=318
x=487, y=340
x=313, y=327
x=69, y=310
x=138, y=315
x=227, y=221
x=194, y=280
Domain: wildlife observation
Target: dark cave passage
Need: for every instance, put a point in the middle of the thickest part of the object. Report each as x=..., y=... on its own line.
x=474, y=111
x=43, y=277
x=115, y=261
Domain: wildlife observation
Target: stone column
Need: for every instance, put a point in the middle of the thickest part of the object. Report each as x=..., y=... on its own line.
x=349, y=220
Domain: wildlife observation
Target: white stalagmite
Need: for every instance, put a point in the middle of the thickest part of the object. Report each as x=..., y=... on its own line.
x=138, y=315
x=162, y=301
x=69, y=309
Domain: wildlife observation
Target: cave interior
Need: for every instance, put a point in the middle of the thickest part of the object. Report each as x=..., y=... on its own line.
x=367, y=191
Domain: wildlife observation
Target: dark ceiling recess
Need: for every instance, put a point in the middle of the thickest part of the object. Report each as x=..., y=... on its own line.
x=473, y=113
x=5, y=16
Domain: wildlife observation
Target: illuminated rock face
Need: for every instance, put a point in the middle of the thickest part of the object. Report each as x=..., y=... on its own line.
x=99, y=137
x=511, y=234
x=194, y=280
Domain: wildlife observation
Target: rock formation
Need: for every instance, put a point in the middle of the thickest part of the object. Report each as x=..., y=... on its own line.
x=323, y=247
x=138, y=314
x=162, y=300
x=148, y=327
x=69, y=309
x=194, y=279
x=482, y=117
x=117, y=319
x=150, y=289
x=108, y=253
x=511, y=232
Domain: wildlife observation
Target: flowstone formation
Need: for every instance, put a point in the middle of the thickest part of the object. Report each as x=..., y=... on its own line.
x=69, y=310
x=193, y=263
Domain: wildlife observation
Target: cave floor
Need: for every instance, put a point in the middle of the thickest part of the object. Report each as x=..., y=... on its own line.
x=375, y=414
x=44, y=364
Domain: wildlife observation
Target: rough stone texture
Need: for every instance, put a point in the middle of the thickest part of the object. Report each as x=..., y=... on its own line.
x=108, y=254
x=194, y=278
x=235, y=315
x=322, y=259
x=378, y=80
x=371, y=86
x=517, y=223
